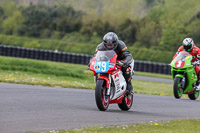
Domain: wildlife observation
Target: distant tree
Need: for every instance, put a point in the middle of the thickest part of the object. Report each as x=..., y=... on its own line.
x=172, y=35
x=8, y=7
x=1, y=12
x=150, y=3
x=155, y=14
x=13, y=23
x=33, y=18
x=149, y=33
x=98, y=27
x=127, y=31
x=39, y=18
x=194, y=31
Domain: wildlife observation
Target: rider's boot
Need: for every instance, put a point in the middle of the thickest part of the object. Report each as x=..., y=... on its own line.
x=198, y=85
x=198, y=82
x=129, y=88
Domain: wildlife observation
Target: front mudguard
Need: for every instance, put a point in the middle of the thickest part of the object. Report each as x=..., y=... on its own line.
x=183, y=82
x=179, y=75
x=106, y=79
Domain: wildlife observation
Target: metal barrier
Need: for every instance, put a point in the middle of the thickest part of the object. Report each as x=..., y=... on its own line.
x=14, y=51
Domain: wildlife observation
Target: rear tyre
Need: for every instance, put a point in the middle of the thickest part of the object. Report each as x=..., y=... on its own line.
x=102, y=101
x=194, y=95
x=178, y=91
x=127, y=102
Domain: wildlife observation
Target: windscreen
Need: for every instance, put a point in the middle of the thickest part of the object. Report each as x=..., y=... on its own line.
x=105, y=55
x=183, y=55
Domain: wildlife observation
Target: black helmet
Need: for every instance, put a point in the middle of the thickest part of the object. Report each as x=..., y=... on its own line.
x=110, y=41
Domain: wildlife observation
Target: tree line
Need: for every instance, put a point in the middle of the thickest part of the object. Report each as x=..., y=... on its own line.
x=162, y=29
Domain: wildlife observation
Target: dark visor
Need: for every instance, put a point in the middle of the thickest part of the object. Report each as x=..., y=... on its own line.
x=188, y=47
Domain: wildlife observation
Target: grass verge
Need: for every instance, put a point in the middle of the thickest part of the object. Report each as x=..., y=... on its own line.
x=175, y=126
x=153, y=75
x=55, y=74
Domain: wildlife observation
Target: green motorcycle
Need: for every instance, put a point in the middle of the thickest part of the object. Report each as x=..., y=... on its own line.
x=184, y=76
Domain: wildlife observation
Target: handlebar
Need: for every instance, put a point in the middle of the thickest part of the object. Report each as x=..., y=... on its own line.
x=119, y=63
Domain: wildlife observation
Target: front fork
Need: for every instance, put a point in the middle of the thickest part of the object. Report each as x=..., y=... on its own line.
x=183, y=80
x=108, y=82
x=109, y=88
x=183, y=83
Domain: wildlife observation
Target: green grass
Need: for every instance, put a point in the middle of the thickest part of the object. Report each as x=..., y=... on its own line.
x=49, y=44
x=44, y=80
x=41, y=67
x=55, y=74
x=153, y=88
x=34, y=72
x=153, y=75
x=54, y=68
x=175, y=126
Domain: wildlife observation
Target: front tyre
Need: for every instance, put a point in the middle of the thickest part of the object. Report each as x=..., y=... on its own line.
x=178, y=91
x=102, y=101
x=127, y=102
x=194, y=95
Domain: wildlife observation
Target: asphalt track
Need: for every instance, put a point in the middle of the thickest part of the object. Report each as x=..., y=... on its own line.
x=34, y=108
x=152, y=79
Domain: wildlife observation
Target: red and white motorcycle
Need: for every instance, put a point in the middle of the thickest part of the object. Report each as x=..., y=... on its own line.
x=110, y=82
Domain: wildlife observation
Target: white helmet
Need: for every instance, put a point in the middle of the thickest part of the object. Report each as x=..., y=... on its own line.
x=188, y=44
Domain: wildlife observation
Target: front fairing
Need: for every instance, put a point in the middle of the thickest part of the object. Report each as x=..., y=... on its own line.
x=182, y=61
x=181, y=67
x=104, y=61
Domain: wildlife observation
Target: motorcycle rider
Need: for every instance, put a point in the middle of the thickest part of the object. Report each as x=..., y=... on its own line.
x=111, y=42
x=189, y=46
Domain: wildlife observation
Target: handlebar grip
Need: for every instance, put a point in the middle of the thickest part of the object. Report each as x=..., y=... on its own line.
x=119, y=63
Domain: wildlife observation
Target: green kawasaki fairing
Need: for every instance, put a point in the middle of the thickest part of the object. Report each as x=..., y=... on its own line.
x=184, y=76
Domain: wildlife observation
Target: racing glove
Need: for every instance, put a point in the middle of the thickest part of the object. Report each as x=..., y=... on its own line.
x=124, y=63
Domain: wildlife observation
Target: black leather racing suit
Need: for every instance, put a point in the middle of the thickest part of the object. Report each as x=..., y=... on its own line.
x=123, y=54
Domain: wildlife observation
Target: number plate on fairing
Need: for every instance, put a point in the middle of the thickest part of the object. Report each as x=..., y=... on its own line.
x=101, y=66
x=179, y=64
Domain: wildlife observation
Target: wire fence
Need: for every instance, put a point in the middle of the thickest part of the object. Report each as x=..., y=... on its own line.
x=14, y=51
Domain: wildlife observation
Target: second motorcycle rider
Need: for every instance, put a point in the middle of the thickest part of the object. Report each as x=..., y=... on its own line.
x=189, y=46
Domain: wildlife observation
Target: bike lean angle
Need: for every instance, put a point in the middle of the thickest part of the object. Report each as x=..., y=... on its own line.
x=110, y=82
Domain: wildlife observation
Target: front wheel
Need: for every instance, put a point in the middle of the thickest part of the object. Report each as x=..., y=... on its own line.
x=178, y=91
x=127, y=102
x=194, y=95
x=102, y=100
